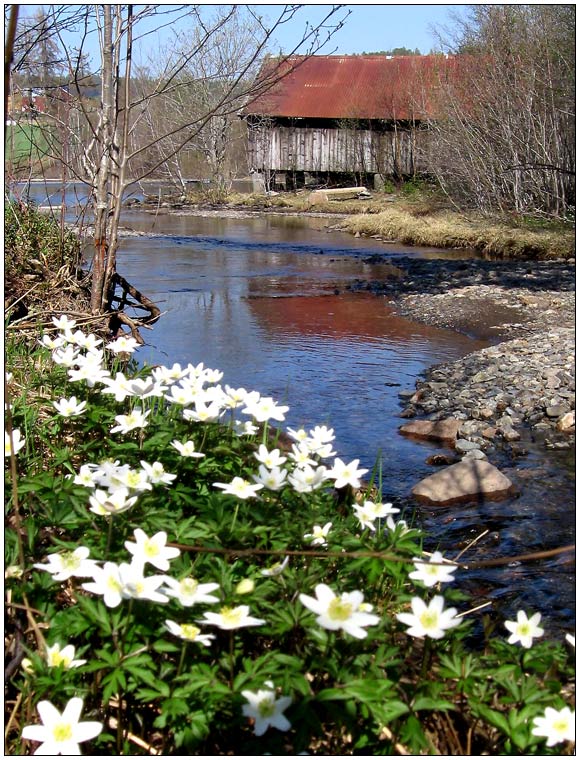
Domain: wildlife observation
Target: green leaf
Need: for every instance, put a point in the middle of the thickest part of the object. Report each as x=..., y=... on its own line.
x=432, y=703
x=493, y=717
x=165, y=646
x=147, y=695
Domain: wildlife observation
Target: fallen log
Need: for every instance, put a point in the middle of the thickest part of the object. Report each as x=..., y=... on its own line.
x=337, y=194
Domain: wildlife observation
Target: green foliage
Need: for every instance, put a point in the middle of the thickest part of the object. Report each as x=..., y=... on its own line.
x=150, y=688
x=41, y=262
x=30, y=236
x=28, y=144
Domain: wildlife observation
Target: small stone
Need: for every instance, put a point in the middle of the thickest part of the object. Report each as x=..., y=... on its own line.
x=510, y=434
x=438, y=430
x=556, y=411
x=463, y=446
x=567, y=422
x=438, y=460
x=473, y=454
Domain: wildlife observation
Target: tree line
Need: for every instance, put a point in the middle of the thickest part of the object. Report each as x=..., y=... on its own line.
x=505, y=133
x=153, y=108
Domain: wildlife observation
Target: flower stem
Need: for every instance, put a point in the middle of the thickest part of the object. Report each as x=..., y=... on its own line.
x=181, y=659
x=426, y=657
x=231, y=659
x=235, y=516
x=109, y=537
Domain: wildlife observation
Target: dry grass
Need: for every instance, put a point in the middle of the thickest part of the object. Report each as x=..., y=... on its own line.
x=424, y=218
x=453, y=230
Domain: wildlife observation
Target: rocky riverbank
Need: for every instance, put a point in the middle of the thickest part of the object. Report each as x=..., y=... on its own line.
x=526, y=379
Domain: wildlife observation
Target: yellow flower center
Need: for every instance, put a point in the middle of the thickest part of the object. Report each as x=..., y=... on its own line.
x=189, y=631
x=230, y=615
x=266, y=707
x=151, y=548
x=133, y=478
x=429, y=619
x=56, y=659
x=339, y=609
x=62, y=732
x=113, y=584
x=560, y=726
x=69, y=561
x=188, y=586
x=524, y=629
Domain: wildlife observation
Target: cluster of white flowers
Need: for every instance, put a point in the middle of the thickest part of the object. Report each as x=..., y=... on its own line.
x=116, y=487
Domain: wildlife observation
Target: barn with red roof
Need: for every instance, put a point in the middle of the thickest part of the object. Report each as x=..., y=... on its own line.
x=334, y=119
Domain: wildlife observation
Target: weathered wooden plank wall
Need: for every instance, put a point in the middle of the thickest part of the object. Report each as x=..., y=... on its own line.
x=317, y=149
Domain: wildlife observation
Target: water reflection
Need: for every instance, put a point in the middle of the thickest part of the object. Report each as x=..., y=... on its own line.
x=338, y=359
x=257, y=301
x=255, y=298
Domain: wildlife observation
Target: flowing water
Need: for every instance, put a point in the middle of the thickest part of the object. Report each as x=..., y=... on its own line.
x=263, y=299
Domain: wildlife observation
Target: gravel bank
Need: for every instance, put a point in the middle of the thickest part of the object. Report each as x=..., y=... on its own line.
x=526, y=379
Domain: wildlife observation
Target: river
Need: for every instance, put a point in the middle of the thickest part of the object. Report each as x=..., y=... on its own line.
x=264, y=300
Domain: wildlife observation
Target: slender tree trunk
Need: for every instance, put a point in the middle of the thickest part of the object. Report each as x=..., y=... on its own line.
x=104, y=134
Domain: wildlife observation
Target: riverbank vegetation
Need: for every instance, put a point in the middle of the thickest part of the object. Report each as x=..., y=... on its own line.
x=42, y=266
x=418, y=214
x=181, y=583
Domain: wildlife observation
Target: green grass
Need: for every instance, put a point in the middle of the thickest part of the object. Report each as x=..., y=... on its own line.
x=27, y=145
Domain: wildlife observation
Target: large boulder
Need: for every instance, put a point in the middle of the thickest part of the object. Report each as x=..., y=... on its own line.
x=464, y=481
x=435, y=430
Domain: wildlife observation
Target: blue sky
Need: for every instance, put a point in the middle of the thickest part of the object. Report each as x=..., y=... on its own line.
x=372, y=27
x=369, y=27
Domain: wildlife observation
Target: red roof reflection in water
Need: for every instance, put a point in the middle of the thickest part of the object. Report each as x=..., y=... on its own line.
x=347, y=316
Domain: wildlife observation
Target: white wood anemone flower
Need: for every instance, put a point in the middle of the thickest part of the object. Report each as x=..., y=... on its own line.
x=187, y=449
x=274, y=570
x=123, y=344
x=151, y=550
x=189, y=632
x=61, y=734
x=70, y=407
x=134, y=420
x=16, y=442
x=273, y=480
x=64, y=323
x=230, y=618
x=111, y=502
x=65, y=657
x=429, y=620
x=318, y=535
x=434, y=571
x=240, y=488
x=524, y=630
x=65, y=565
x=346, y=611
x=264, y=409
x=556, y=726
x=305, y=479
x=188, y=591
x=346, y=474
x=270, y=459
x=265, y=710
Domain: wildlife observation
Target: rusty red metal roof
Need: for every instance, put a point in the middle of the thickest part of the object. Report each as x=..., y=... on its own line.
x=343, y=87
